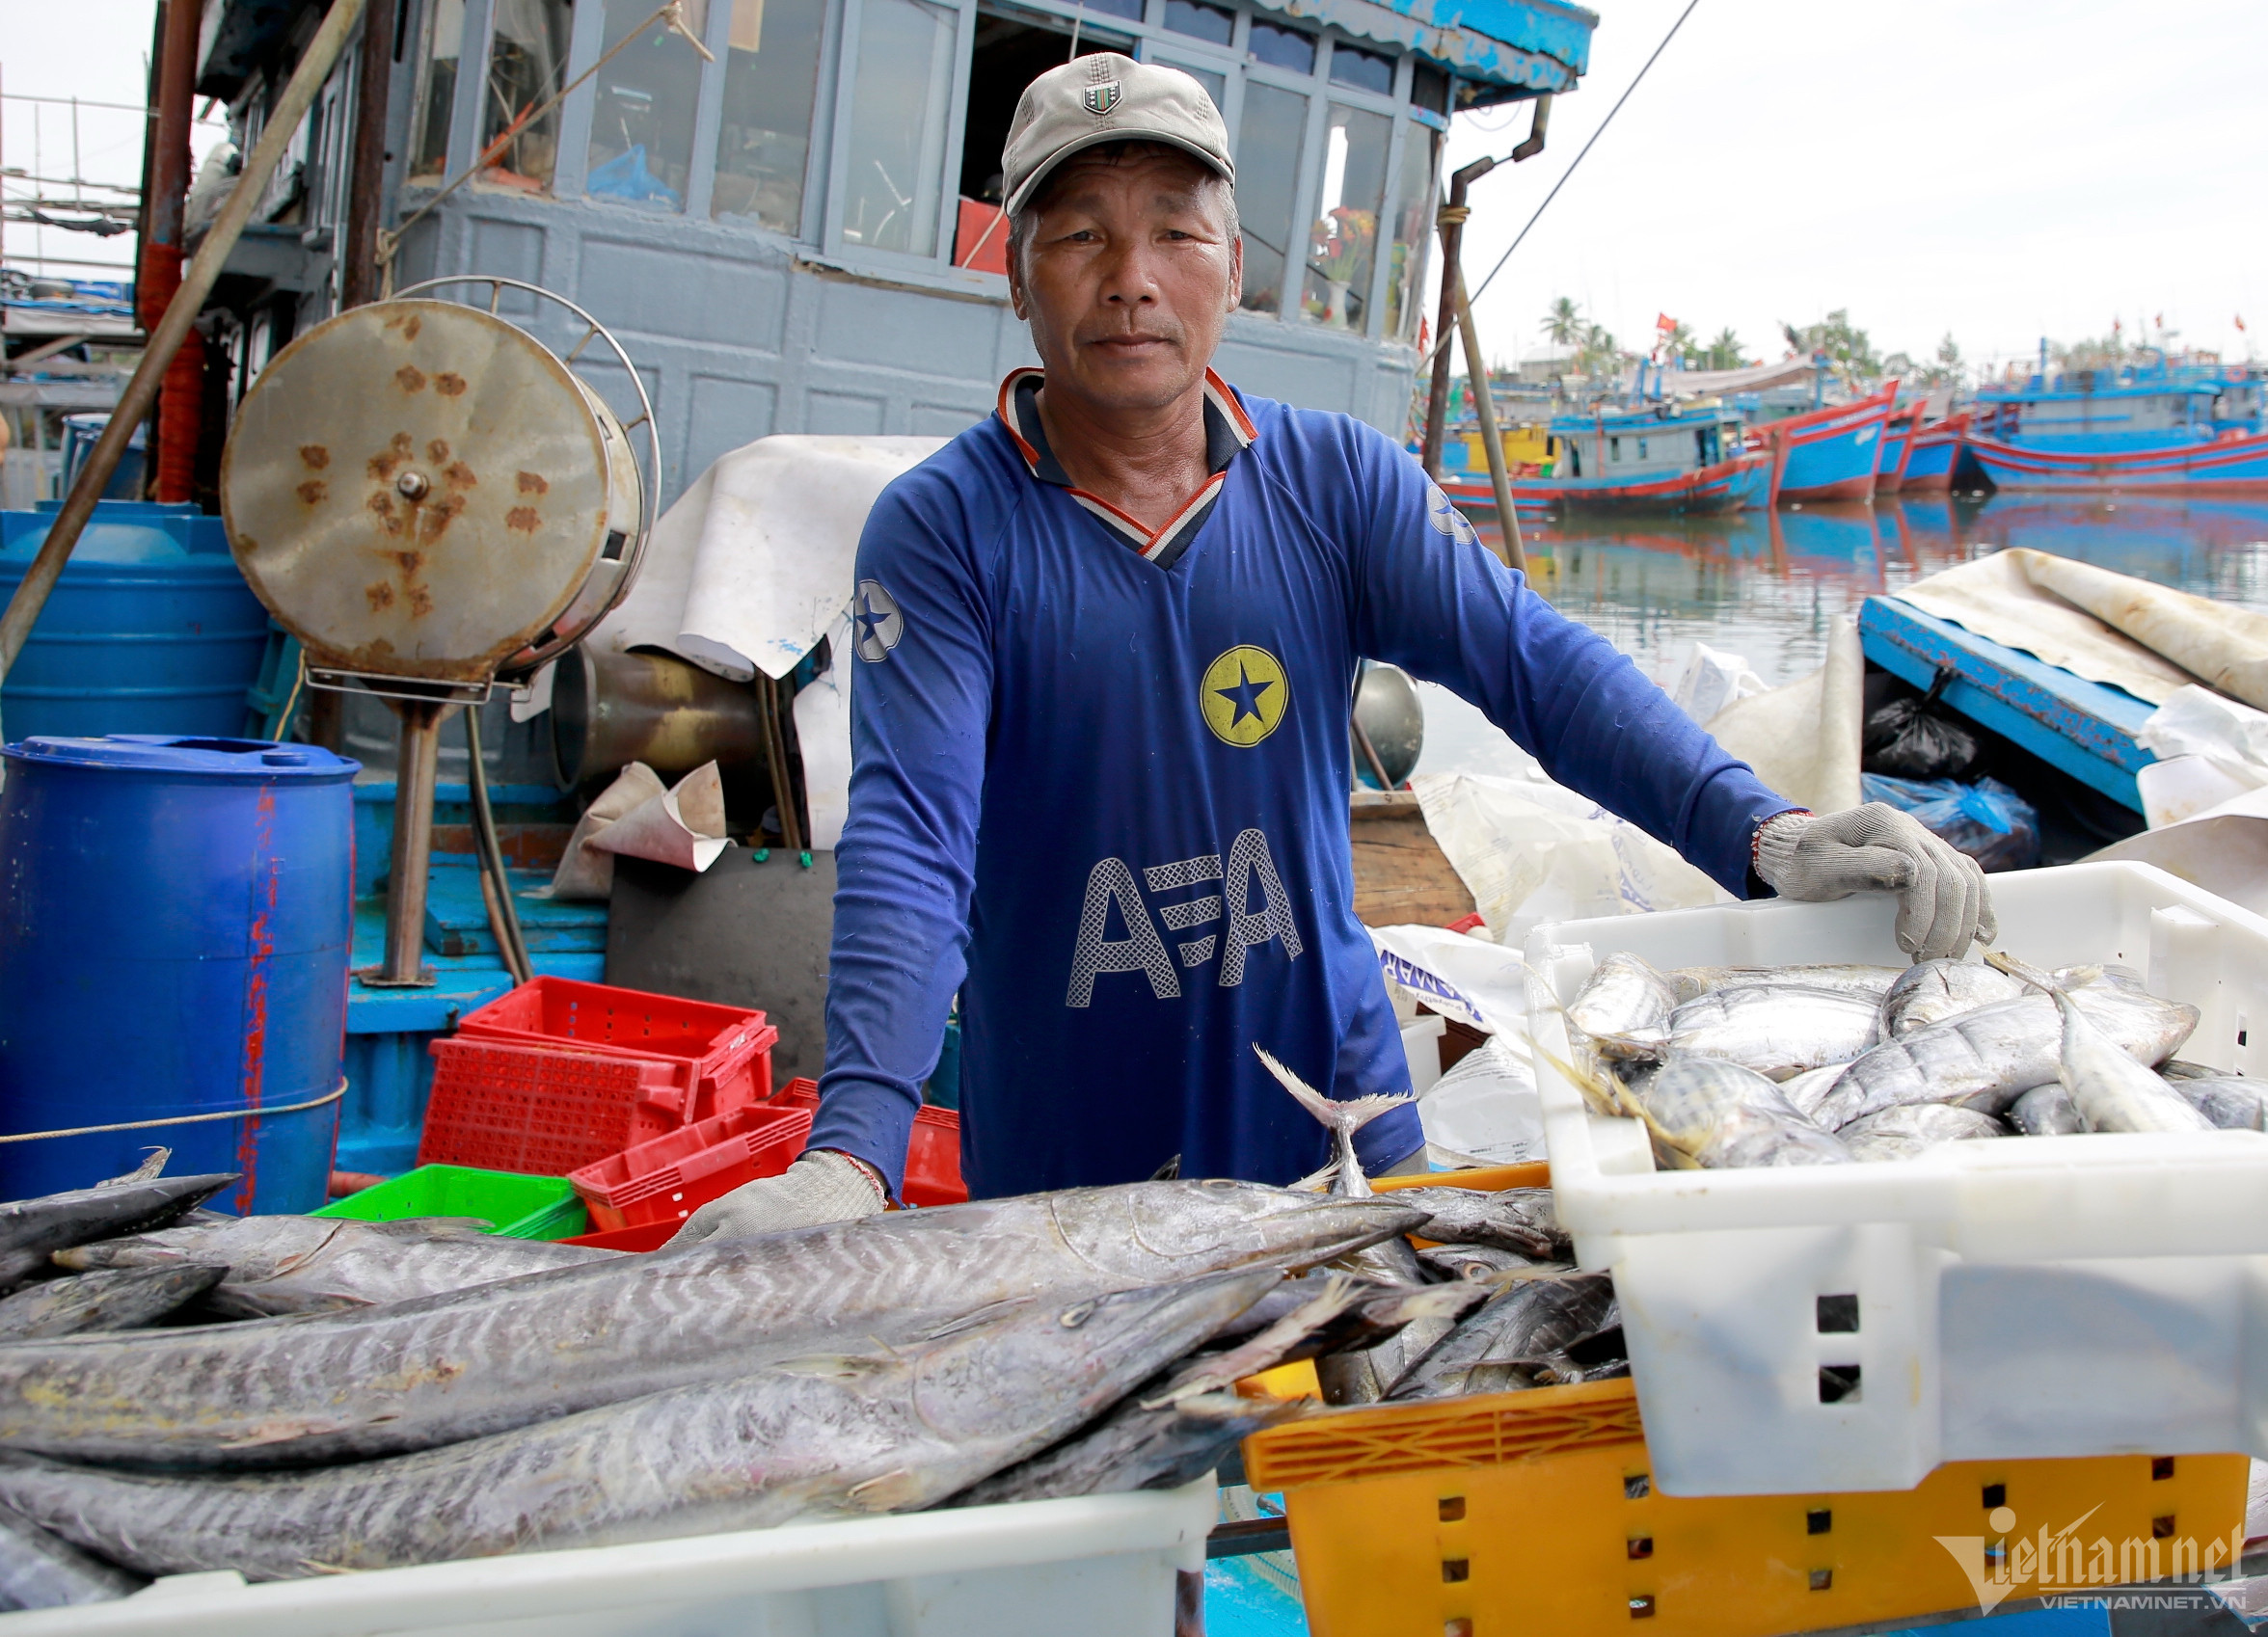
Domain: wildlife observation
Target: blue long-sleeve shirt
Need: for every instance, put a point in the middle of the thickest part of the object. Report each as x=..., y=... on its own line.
x=1099, y=787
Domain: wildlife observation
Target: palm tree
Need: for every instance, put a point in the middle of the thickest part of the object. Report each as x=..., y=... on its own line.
x=1564, y=325
x=1679, y=342
x=1723, y=353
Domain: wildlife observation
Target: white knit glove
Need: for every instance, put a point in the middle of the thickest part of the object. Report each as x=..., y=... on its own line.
x=820, y=1187
x=1942, y=906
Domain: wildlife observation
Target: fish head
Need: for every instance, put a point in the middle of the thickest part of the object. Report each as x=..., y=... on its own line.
x=1153, y=1232
x=981, y=1381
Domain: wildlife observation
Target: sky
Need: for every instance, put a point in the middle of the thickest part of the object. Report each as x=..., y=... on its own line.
x=1998, y=170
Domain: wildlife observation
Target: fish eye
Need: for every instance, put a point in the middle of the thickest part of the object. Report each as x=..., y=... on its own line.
x=1074, y=1317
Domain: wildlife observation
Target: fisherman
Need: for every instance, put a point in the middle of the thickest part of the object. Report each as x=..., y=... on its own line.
x=1104, y=642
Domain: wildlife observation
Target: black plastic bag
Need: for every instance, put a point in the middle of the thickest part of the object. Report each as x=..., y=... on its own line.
x=1910, y=738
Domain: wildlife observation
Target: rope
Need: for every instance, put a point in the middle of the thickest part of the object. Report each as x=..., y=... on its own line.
x=1479, y=289
x=1452, y=215
x=330, y=1096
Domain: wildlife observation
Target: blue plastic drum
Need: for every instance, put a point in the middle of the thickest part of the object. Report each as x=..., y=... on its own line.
x=176, y=921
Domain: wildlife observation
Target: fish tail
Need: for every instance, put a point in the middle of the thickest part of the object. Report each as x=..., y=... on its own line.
x=1348, y=1116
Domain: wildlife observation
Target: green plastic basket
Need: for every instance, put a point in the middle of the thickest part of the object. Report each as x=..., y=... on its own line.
x=515, y=1206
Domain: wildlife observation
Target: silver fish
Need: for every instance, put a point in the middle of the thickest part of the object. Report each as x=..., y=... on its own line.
x=2046, y=1111
x=1938, y=989
x=1779, y=1031
x=407, y=1375
x=1416, y=1320
x=1511, y=1219
x=1806, y=1089
x=2229, y=1102
x=30, y=1228
x=824, y=1436
x=1904, y=1131
x=1524, y=1325
x=1987, y=1057
x=1472, y=1262
x=1868, y=983
x=1624, y=1006
x=1707, y=1112
x=1342, y=1119
x=42, y=1570
x=285, y=1264
x=118, y=1299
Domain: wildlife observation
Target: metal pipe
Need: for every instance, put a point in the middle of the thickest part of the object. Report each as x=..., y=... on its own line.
x=173, y=445
x=38, y=580
x=365, y=177
x=417, y=771
x=1509, y=547
x=495, y=883
x=1536, y=127
x=1451, y=221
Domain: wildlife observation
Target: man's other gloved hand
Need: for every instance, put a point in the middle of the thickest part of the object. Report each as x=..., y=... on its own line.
x=823, y=1186
x=1942, y=906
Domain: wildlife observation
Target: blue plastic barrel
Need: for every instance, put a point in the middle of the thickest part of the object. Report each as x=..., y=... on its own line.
x=149, y=631
x=176, y=916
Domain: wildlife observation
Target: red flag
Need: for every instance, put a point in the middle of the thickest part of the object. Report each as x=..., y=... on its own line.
x=2160, y=320
x=2240, y=321
x=1664, y=323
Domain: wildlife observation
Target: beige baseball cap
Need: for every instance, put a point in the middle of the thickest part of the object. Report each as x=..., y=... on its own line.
x=1107, y=97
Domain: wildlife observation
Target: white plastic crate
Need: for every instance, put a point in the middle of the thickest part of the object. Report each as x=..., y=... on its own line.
x=2023, y=1297
x=1103, y=1565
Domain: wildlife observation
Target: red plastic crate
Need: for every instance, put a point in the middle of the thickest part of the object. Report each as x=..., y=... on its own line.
x=665, y=1179
x=726, y=1050
x=541, y=1110
x=647, y=1236
x=933, y=1153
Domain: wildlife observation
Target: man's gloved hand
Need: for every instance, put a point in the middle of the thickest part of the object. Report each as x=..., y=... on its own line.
x=820, y=1187
x=1875, y=849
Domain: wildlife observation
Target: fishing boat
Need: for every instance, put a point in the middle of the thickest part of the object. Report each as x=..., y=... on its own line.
x=1831, y=453
x=1652, y=459
x=2189, y=428
x=1898, y=439
x=1932, y=454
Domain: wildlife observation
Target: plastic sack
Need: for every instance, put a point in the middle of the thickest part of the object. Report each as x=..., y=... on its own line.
x=1485, y=1110
x=1712, y=680
x=1910, y=738
x=1988, y=821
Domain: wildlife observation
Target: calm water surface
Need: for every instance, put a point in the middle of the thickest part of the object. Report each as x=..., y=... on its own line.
x=1766, y=585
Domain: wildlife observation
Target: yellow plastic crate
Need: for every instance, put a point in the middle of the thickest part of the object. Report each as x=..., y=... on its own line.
x=1536, y=1513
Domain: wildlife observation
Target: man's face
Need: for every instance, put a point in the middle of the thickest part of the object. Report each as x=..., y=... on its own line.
x=1128, y=277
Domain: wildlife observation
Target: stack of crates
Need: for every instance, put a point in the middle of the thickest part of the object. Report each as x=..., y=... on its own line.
x=559, y=1074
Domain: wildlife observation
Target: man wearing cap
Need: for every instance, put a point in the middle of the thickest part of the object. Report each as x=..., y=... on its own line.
x=1104, y=646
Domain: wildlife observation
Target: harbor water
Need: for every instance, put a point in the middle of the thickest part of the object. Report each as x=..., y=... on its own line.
x=1768, y=585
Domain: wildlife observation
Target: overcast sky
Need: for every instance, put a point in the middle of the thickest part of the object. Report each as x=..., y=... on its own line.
x=1998, y=168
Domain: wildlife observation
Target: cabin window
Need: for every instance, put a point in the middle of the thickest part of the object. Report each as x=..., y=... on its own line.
x=527, y=66
x=763, y=138
x=1614, y=448
x=1012, y=50
x=437, y=89
x=1267, y=180
x=1358, y=69
x=1641, y=449
x=1429, y=89
x=905, y=65
x=1345, y=237
x=1414, y=195
x=1200, y=21
x=1280, y=47
x=641, y=141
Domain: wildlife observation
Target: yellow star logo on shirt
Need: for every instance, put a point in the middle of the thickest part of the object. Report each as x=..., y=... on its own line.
x=1244, y=695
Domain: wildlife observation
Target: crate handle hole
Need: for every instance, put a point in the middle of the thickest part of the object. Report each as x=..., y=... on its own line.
x=1642, y=1607
x=1455, y=1569
x=1822, y=1579
x=1635, y=1487
x=1818, y=1520
x=2162, y=1528
x=1995, y=1495
x=1452, y=1508
x=1838, y=1384
x=2161, y=1467
x=1641, y=1547
x=1837, y=1315
x=1458, y=1627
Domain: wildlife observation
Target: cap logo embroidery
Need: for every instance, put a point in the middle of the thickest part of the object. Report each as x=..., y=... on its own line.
x=1101, y=99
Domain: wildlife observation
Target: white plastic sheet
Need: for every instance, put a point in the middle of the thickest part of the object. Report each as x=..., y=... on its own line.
x=1712, y=680
x=1804, y=738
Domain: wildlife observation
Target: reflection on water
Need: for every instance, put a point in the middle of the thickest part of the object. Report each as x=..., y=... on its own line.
x=1766, y=584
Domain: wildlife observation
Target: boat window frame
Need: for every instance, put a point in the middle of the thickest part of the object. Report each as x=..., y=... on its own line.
x=819, y=239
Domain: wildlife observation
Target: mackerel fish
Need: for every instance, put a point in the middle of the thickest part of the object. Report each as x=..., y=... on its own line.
x=42, y=1570
x=1524, y=1326
x=1624, y=1006
x=1901, y=1133
x=2229, y=1102
x=1868, y=983
x=2110, y=1089
x=1710, y=1113
x=1780, y=1031
x=30, y=1228
x=285, y=1264
x=2044, y=1111
x=1987, y=1057
x=1938, y=989
x=823, y=1435
x=118, y=1299
x=407, y=1375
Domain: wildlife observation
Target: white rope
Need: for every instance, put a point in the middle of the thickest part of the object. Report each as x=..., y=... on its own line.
x=330, y=1096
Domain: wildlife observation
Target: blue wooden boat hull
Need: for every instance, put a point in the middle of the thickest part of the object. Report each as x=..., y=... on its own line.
x=1729, y=486
x=2085, y=728
x=2232, y=465
x=1931, y=465
x=1831, y=454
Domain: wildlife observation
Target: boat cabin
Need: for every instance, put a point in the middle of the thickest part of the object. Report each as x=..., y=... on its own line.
x=2089, y=410
x=805, y=234
x=1645, y=444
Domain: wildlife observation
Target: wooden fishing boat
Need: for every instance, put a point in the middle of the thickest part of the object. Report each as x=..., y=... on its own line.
x=1832, y=453
x=1932, y=453
x=1653, y=458
x=1898, y=441
x=2230, y=464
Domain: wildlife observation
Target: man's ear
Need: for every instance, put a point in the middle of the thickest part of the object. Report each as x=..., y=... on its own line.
x=1235, y=273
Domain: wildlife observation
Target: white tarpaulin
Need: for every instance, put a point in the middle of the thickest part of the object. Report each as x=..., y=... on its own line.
x=1995, y=598
x=2220, y=644
x=1803, y=738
